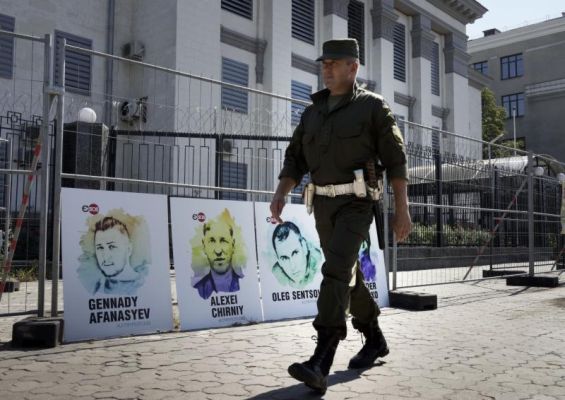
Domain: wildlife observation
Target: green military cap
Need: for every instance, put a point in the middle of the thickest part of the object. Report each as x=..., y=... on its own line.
x=339, y=48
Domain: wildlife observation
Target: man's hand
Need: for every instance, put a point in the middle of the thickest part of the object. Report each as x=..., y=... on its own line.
x=278, y=202
x=401, y=225
x=277, y=205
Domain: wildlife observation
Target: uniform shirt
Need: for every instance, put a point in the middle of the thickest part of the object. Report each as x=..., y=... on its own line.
x=332, y=144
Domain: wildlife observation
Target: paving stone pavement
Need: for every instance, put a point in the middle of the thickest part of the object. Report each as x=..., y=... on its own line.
x=485, y=341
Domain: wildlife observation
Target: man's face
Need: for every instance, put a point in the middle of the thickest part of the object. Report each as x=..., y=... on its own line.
x=292, y=256
x=113, y=249
x=338, y=74
x=219, y=245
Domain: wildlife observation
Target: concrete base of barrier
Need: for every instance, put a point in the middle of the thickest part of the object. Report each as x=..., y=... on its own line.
x=12, y=285
x=412, y=300
x=489, y=273
x=37, y=332
x=534, y=281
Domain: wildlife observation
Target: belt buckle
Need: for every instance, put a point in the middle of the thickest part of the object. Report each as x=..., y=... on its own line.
x=331, y=190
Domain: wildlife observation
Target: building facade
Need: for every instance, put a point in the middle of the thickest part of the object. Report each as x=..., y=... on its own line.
x=413, y=52
x=527, y=76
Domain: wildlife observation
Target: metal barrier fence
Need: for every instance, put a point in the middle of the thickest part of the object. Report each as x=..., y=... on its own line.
x=468, y=211
x=174, y=133
x=24, y=120
x=209, y=139
x=475, y=217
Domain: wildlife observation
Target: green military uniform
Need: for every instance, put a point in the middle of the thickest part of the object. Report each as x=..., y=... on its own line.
x=331, y=144
x=336, y=136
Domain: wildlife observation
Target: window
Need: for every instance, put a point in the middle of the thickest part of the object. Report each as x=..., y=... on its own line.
x=511, y=66
x=513, y=101
x=234, y=175
x=435, y=69
x=481, y=67
x=243, y=8
x=299, y=91
x=7, y=47
x=303, y=20
x=235, y=72
x=356, y=26
x=435, y=140
x=399, y=45
x=77, y=65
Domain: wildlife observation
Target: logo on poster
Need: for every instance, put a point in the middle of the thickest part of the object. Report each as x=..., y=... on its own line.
x=200, y=217
x=92, y=209
x=271, y=220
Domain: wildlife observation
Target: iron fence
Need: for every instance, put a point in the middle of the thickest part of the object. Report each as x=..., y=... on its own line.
x=472, y=216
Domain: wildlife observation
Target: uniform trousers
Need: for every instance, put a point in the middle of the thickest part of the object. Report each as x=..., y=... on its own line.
x=343, y=223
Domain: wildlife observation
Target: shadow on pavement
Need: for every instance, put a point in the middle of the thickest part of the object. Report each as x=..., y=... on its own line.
x=300, y=391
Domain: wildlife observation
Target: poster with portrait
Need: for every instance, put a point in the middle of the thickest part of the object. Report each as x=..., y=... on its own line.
x=215, y=262
x=290, y=261
x=116, y=269
x=372, y=265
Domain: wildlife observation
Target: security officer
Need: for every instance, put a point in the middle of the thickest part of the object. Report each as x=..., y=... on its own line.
x=342, y=130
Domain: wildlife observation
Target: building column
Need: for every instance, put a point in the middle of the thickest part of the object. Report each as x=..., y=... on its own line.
x=277, y=69
x=205, y=21
x=421, y=79
x=456, y=82
x=384, y=18
x=277, y=59
x=334, y=24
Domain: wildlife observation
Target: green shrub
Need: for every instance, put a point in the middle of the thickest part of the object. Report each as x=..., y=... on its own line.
x=421, y=235
x=26, y=273
x=425, y=235
x=551, y=240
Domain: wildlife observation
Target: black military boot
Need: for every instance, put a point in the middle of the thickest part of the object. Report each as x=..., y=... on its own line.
x=375, y=346
x=314, y=372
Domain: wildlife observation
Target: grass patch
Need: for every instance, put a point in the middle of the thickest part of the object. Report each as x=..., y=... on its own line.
x=26, y=273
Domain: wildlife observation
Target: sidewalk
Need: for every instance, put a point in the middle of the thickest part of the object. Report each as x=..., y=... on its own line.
x=485, y=341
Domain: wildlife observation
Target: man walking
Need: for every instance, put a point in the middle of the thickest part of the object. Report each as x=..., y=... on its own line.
x=342, y=130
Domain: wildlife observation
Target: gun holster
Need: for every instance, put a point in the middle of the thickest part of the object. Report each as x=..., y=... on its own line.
x=379, y=222
x=308, y=194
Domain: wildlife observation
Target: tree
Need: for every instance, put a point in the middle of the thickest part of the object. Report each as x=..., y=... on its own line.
x=493, y=116
x=493, y=120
